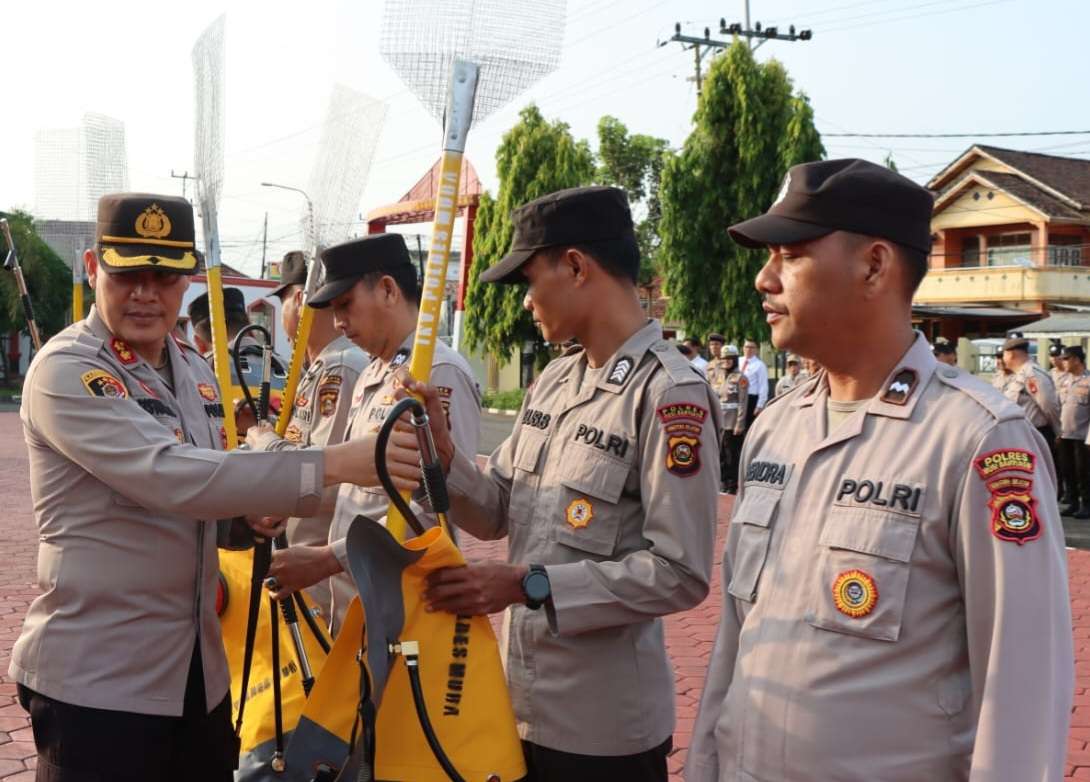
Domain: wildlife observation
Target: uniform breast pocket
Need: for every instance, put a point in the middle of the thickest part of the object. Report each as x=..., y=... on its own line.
x=862, y=572
x=752, y=524
x=526, y=462
x=588, y=512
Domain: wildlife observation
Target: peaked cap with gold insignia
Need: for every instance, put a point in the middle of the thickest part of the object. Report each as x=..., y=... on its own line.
x=146, y=231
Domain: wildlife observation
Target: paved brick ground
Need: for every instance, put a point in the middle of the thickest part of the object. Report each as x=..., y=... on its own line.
x=689, y=635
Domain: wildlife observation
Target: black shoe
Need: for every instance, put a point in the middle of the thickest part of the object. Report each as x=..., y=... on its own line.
x=1083, y=512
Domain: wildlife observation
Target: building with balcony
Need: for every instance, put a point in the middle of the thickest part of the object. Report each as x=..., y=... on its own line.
x=1010, y=243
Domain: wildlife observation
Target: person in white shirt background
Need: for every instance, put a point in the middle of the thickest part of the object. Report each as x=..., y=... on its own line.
x=697, y=360
x=756, y=373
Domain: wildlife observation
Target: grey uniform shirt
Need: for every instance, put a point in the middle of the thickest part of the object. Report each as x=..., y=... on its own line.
x=127, y=482
x=610, y=482
x=320, y=417
x=895, y=594
x=786, y=383
x=1032, y=389
x=372, y=399
x=1075, y=407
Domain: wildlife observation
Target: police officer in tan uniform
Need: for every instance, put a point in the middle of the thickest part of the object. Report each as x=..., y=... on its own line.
x=371, y=292
x=792, y=377
x=945, y=352
x=120, y=661
x=319, y=415
x=1074, y=427
x=1031, y=388
x=606, y=492
x=1058, y=366
x=733, y=394
x=895, y=581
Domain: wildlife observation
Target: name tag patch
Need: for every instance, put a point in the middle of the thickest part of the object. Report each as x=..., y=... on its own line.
x=600, y=439
x=882, y=494
x=536, y=419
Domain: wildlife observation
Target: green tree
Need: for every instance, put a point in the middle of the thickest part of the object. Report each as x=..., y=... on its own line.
x=534, y=158
x=48, y=279
x=635, y=163
x=750, y=126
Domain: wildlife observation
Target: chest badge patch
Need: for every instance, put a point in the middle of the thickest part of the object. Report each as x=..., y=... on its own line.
x=293, y=434
x=1031, y=386
x=399, y=358
x=900, y=388
x=101, y=383
x=620, y=372
x=579, y=513
x=855, y=594
x=207, y=391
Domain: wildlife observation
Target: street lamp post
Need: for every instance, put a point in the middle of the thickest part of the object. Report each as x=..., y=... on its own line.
x=310, y=211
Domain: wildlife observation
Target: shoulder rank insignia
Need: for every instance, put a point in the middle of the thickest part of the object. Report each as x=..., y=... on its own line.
x=579, y=513
x=1014, y=510
x=123, y=352
x=683, y=423
x=207, y=391
x=900, y=388
x=98, y=382
x=855, y=593
x=620, y=372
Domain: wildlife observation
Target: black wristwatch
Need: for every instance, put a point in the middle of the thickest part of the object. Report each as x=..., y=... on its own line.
x=535, y=586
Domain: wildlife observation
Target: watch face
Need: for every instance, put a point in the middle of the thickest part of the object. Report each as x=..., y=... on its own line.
x=536, y=585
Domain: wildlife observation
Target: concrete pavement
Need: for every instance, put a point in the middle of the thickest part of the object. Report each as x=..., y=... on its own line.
x=689, y=635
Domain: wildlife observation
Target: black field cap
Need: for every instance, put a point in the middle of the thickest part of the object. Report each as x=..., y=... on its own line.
x=293, y=271
x=842, y=195
x=347, y=263
x=1055, y=350
x=1074, y=351
x=1016, y=342
x=145, y=231
x=713, y=337
x=233, y=303
x=943, y=346
x=579, y=215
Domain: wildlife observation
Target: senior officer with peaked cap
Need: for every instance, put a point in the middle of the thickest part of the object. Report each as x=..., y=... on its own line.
x=120, y=661
x=895, y=588
x=606, y=491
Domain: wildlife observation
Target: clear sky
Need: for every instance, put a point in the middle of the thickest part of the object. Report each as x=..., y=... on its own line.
x=929, y=66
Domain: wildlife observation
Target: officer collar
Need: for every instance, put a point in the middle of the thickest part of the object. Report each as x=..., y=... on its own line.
x=900, y=391
x=622, y=364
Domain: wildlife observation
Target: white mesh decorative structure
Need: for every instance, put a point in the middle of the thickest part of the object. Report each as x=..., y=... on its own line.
x=74, y=167
x=350, y=135
x=515, y=43
x=208, y=92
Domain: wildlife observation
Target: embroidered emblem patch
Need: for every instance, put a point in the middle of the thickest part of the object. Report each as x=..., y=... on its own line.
x=123, y=352
x=1031, y=386
x=1005, y=459
x=207, y=391
x=619, y=374
x=579, y=513
x=900, y=388
x=1014, y=510
x=302, y=400
x=101, y=383
x=855, y=593
x=683, y=423
x=293, y=434
x=153, y=223
x=179, y=435
x=399, y=358
x=327, y=399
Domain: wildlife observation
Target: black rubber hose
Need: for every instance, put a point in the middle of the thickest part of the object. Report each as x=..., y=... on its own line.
x=380, y=461
x=236, y=357
x=262, y=558
x=413, y=664
x=315, y=629
x=278, y=703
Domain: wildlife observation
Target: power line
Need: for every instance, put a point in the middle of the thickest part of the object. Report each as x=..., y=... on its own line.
x=960, y=135
x=912, y=16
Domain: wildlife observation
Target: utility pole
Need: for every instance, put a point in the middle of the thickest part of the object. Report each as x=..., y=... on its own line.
x=264, y=244
x=699, y=46
x=183, y=176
